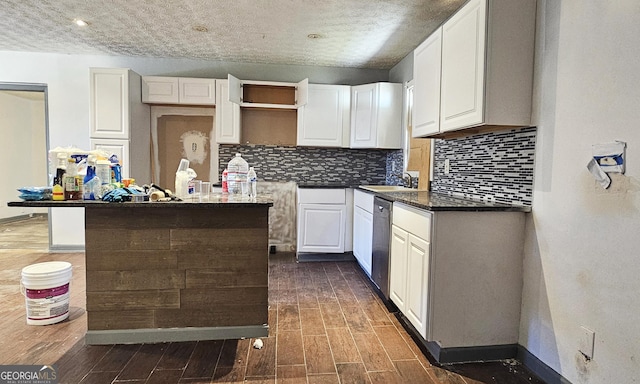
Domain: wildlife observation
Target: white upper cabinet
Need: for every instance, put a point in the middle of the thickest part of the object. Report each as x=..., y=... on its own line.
x=463, y=67
x=485, y=72
x=227, y=116
x=159, y=89
x=324, y=121
x=426, y=90
x=110, y=102
x=197, y=91
x=178, y=90
x=267, y=94
x=120, y=122
x=376, y=116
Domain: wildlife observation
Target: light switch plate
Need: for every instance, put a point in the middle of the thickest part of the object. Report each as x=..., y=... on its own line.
x=586, y=342
x=447, y=166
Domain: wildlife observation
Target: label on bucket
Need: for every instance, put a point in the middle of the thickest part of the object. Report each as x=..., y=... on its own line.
x=47, y=303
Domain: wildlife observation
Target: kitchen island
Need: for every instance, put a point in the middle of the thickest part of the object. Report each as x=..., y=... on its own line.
x=174, y=271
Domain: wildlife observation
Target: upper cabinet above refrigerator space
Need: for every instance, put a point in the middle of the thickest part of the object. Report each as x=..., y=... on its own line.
x=178, y=90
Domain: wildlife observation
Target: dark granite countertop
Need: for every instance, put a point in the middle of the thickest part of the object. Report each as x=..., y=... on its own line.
x=216, y=200
x=310, y=185
x=440, y=202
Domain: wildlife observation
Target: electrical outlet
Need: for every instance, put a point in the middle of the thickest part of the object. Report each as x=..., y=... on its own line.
x=447, y=166
x=586, y=342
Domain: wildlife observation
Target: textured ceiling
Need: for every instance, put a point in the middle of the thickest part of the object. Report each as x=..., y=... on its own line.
x=353, y=33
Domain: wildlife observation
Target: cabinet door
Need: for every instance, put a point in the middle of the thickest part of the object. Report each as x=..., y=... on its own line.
x=302, y=93
x=426, y=90
x=417, y=283
x=227, y=116
x=362, y=237
x=321, y=228
x=197, y=91
x=363, y=116
x=463, y=71
x=158, y=89
x=398, y=267
x=109, y=103
x=115, y=146
x=325, y=118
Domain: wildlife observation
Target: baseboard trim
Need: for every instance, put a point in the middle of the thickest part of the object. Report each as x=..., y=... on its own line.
x=309, y=257
x=470, y=354
x=162, y=335
x=66, y=248
x=438, y=355
x=540, y=369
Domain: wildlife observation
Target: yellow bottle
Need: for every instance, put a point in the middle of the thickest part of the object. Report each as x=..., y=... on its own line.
x=58, y=192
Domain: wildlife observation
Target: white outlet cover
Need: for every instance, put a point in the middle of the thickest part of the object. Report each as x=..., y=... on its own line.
x=586, y=342
x=447, y=166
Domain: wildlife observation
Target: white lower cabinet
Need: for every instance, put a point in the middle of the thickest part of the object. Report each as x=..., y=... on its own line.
x=363, y=229
x=409, y=275
x=417, y=283
x=456, y=276
x=322, y=220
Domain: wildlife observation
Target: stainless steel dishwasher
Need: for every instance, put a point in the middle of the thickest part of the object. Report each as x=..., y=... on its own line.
x=380, y=247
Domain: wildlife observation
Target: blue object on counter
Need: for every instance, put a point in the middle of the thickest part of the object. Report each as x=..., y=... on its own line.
x=120, y=195
x=116, y=173
x=35, y=193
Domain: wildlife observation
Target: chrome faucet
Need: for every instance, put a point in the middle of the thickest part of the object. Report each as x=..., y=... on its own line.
x=407, y=181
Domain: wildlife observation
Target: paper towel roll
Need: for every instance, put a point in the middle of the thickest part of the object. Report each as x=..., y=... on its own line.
x=157, y=195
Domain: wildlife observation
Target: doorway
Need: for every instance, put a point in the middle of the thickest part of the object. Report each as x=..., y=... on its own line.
x=25, y=147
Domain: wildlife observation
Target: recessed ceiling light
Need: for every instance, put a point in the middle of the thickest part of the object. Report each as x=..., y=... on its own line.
x=80, y=22
x=314, y=36
x=200, y=28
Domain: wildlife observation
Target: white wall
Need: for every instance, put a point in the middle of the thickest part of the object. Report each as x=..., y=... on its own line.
x=23, y=157
x=583, y=243
x=67, y=78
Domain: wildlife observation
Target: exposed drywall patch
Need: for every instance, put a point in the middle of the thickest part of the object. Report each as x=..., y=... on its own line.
x=584, y=366
x=194, y=146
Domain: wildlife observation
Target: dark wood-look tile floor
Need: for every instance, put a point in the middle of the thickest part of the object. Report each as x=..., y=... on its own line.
x=326, y=326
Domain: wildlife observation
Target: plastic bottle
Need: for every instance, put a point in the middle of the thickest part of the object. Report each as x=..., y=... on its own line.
x=91, y=188
x=71, y=185
x=225, y=183
x=182, y=179
x=237, y=175
x=103, y=171
x=252, y=179
x=58, y=181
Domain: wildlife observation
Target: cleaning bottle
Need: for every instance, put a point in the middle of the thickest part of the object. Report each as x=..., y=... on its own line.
x=92, y=186
x=252, y=179
x=58, y=180
x=71, y=186
x=225, y=183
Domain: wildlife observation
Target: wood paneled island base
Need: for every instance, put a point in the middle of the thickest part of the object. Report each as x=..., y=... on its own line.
x=176, y=274
x=161, y=272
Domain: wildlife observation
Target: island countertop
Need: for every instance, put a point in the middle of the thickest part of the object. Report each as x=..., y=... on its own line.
x=216, y=200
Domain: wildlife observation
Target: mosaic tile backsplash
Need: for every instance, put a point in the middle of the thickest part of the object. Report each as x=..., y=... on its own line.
x=311, y=165
x=495, y=166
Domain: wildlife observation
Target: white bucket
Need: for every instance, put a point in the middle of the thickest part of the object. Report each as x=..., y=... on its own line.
x=46, y=291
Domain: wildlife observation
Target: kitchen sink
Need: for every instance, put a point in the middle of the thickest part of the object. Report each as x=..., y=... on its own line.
x=386, y=188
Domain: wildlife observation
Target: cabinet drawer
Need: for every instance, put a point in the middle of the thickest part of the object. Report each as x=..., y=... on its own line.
x=363, y=200
x=321, y=196
x=413, y=220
